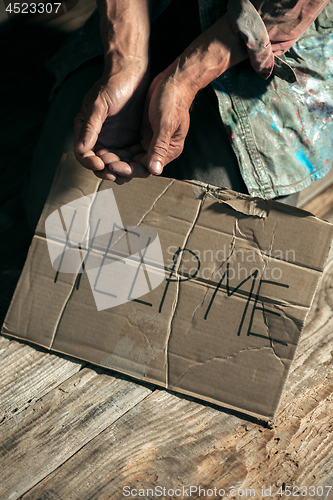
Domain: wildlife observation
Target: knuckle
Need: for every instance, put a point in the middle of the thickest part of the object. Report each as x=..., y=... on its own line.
x=161, y=148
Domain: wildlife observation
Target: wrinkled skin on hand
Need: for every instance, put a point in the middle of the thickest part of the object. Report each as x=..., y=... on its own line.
x=166, y=121
x=165, y=125
x=110, y=117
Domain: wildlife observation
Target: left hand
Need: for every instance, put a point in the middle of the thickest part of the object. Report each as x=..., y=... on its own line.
x=166, y=121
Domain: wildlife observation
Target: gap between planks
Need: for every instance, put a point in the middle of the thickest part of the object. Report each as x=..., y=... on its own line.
x=47, y=433
x=292, y=420
x=166, y=439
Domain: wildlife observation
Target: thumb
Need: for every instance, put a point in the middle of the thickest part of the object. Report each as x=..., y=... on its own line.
x=87, y=126
x=158, y=151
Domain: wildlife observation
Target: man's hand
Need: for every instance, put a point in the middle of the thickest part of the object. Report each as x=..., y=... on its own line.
x=165, y=125
x=166, y=121
x=166, y=117
x=110, y=117
x=111, y=113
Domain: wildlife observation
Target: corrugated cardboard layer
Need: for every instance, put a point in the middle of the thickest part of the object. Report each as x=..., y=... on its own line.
x=223, y=325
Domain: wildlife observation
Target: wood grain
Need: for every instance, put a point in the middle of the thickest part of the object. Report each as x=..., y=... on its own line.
x=27, y=374
x=55, y=427
x=173, y=441
x=93, y=434
x=321, y=204
x=73, y=433
x=315, y=189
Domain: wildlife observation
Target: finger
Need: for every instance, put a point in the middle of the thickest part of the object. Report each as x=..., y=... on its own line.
x=128, y=153
x=122, y=154
x=88, y=124
x=105, y=174
x=90, y=161
x=131, y=169
x=107, y=156
x=120, y=168
x=139, y=170
x=158, y=150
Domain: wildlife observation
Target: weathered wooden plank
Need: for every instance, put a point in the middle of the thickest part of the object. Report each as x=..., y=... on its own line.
x=315, y=189
x=4, y=342
x=171, y=441
x=165, y=438
x=321, y=203
x=27, y=374
x=55, y=427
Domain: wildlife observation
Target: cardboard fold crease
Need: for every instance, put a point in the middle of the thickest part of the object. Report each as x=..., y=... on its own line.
x=195, y=288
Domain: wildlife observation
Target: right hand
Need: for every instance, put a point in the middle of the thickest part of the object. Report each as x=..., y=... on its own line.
x=110, y=118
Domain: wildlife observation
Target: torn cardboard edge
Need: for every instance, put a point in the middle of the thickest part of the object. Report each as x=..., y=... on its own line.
x=178, y=347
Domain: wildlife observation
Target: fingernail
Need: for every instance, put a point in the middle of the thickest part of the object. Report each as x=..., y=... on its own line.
x=156, y=167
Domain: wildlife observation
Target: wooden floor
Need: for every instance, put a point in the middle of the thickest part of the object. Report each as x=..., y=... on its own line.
x=71, y=431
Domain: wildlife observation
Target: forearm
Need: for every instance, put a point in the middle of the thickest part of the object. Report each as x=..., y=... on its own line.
x=209, y=55
x=125, y=30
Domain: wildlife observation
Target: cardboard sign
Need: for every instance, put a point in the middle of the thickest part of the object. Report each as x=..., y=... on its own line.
x=195, y=288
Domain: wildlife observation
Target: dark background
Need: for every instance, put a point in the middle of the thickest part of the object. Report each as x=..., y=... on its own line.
x=27, y=42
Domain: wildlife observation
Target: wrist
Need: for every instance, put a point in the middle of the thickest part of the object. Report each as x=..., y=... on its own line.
x=209, y=56
x=125, y=30
x=132, y=68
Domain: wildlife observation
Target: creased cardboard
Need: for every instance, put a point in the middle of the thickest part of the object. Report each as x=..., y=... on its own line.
x=219, y=319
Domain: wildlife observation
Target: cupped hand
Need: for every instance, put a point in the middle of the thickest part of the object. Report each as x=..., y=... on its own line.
x=110, y=117
x=166, y=121
x=165, y=125
x=119, y=165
